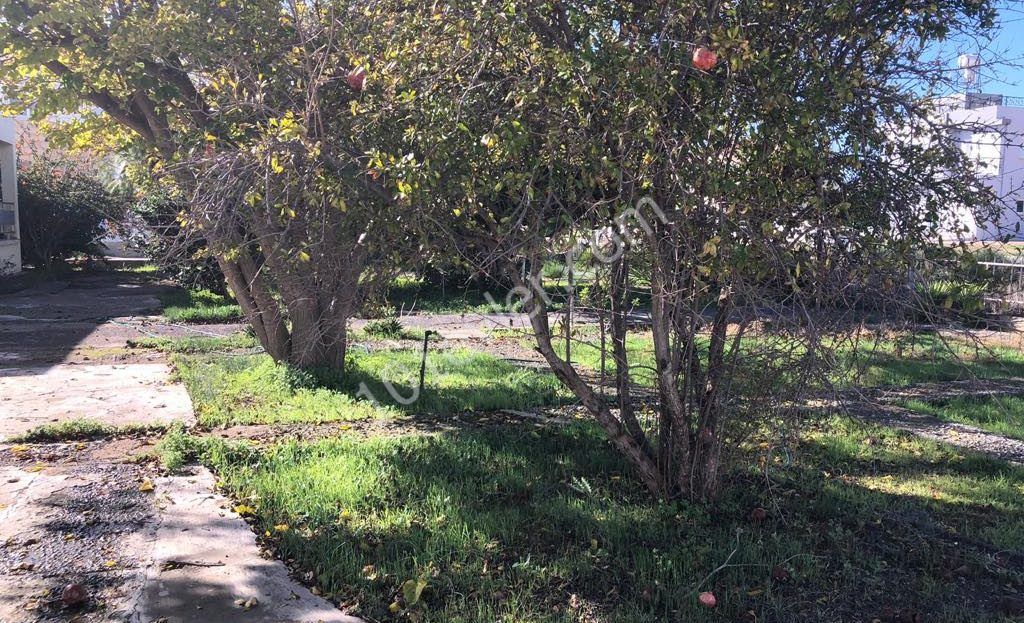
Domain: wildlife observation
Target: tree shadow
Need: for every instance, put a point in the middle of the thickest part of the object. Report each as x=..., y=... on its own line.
x=511, y=520
x=42, y=323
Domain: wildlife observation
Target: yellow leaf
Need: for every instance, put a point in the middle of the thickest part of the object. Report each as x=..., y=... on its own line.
x=303, y=256
x=281, y=527
x=244, y=510
x=110, y=564
x=146, y=484
x=394, y=607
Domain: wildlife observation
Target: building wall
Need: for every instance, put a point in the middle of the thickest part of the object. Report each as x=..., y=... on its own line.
x=996, y=146
x=10, y=249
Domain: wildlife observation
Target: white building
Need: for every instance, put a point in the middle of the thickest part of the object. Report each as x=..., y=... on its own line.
x=992, y=137
x=10, y=232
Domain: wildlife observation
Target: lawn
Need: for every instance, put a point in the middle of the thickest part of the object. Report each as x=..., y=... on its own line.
x=240, y=340
x=199, y=306
x=1003, y=415
x=252, y=389
x=515, y=524
x=899, y=361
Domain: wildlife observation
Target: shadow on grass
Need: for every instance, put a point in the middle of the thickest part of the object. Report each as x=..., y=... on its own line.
x=891, y=369
x=547, y=525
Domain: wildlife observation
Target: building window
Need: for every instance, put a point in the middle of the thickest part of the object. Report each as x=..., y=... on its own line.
x=1020, y=207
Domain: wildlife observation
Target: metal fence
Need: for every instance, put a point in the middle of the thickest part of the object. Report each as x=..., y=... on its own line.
x=1006, y=289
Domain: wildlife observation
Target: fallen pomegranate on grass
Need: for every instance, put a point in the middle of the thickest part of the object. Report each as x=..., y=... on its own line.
x=707, y=599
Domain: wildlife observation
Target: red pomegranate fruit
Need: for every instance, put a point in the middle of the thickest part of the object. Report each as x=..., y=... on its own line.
x=704, y=59
x=74, y=595
x=356, y=78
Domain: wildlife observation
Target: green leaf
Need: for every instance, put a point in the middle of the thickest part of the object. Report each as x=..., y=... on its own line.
x=412, y=590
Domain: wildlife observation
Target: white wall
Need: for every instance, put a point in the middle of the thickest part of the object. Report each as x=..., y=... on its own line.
x=997, y=148
x=10, y=250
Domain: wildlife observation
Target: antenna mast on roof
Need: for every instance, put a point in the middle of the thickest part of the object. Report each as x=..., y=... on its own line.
x=969, y=64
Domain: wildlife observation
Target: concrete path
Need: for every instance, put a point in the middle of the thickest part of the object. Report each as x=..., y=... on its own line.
x=882, y=405
x=144, y=548
x=205, y=565
x=116, y=395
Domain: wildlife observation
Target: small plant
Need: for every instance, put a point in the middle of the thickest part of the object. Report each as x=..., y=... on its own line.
x=553, y=269
x=958, y=297
x=82, y=430
x=387, y=328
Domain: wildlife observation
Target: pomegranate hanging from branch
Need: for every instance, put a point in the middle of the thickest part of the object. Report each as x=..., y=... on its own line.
x=704, y=59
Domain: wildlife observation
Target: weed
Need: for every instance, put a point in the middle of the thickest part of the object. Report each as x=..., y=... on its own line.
x=387, y=328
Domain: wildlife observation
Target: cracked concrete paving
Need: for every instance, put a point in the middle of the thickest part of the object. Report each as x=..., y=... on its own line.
x=115, y=395
x=205, y=559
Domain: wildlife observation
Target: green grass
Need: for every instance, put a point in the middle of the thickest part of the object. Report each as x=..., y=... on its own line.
x=82, y=430
x=926, y=358
x=869, y=362
x=199, y=306
x=252, y=389
x=456, y=380
x=1002, y=415
x=513, y=524
x=197, y=343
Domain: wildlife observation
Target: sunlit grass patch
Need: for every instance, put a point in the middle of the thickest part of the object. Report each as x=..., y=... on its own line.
x=197, y=343
x=455, y=380
x=252, y=389
x=233, y=389
x=1002, y=415
x=199, y=306
x=918, y=358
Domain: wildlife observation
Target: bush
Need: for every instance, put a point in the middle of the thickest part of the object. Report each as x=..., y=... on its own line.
x=389, y=328
x=183, y=259
x=553, y=269
x=62, y=212
x=960, y=298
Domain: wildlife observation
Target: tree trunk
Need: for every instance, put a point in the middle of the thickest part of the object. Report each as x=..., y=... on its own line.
x=265, y=320
x=642, y=461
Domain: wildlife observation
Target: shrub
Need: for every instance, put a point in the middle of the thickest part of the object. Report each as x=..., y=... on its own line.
x=553, y=269
x=390, y=328
x=953, y=296
x=62, y=211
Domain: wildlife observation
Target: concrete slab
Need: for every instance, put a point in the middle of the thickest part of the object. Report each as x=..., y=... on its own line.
x=76, y=526
x=205, y=558
x=117, y=395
